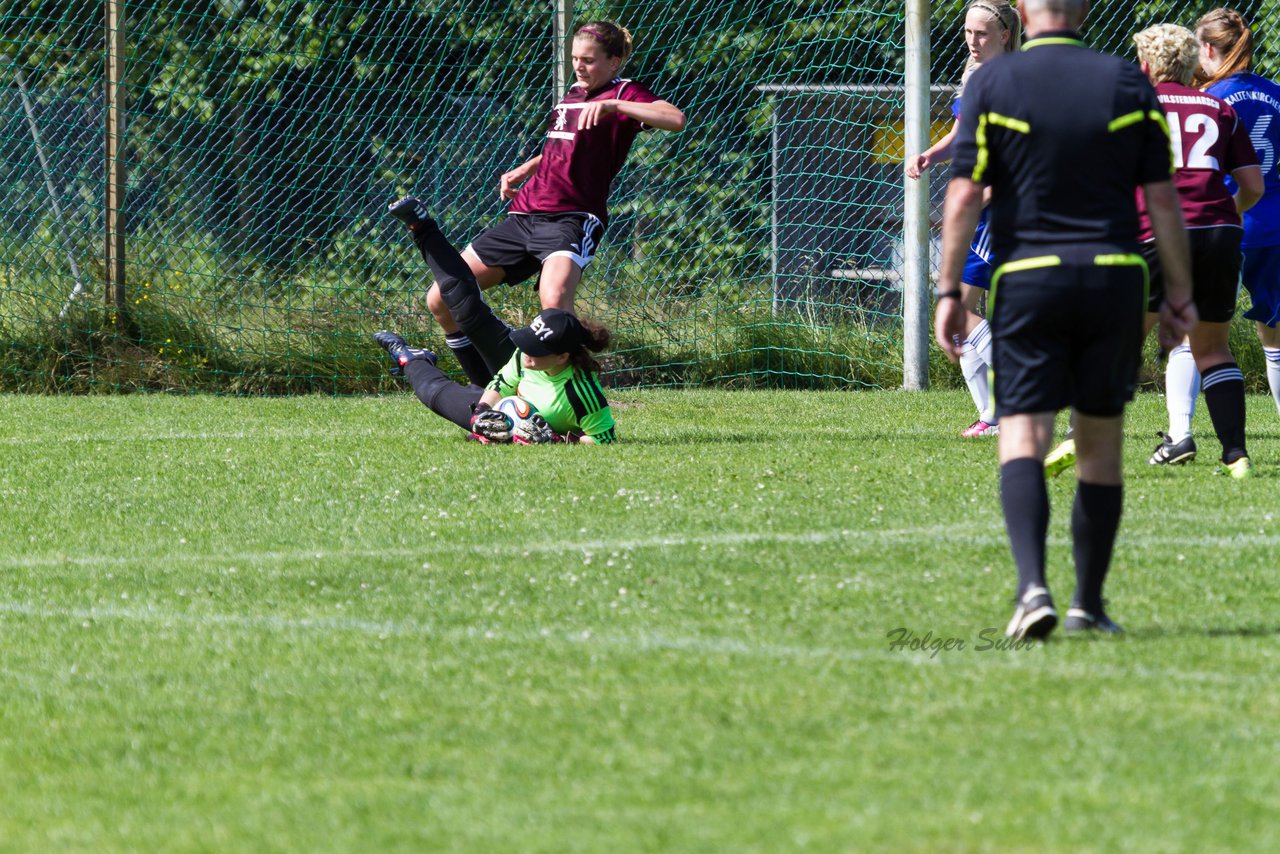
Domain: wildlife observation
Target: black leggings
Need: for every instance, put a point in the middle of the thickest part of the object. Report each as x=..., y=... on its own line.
x=461, y=293
x=440, y=394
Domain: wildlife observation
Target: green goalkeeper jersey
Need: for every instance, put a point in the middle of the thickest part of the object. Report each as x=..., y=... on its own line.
x=570, y=400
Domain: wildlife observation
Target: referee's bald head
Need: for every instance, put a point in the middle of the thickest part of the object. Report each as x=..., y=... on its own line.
x=1069, y=12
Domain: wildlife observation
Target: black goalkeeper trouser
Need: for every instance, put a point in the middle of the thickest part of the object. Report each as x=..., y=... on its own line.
x=461, y=293
x=440, y=394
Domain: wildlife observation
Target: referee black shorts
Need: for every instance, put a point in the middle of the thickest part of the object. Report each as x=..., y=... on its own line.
x=1066, y=329
x=1215, y=272
x=522, y=242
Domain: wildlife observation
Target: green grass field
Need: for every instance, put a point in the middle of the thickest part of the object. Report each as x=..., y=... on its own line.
x=331, y=624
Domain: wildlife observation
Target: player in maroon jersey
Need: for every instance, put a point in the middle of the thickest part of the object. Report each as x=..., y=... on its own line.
x=1209, y=144
x=558, y=199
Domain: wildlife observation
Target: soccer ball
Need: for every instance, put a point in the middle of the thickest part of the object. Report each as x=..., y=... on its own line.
x=516, y=408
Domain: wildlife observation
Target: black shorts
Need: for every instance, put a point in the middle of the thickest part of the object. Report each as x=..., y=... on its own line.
x=1215, y=272
x=521, y=242
x=1066, y=330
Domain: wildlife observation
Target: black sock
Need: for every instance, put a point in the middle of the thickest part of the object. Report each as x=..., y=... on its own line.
x=469, y=357
x=1095, y=518
x=440, y=394
x=489, y=337
x=1223, y=387
x=1026, y=517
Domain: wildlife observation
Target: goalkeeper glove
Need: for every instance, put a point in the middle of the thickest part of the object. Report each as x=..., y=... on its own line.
x=488, y=425
x=534, y=430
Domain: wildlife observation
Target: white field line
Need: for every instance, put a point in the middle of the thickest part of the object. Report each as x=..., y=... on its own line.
x=1035, y=657
x=282, y=433
x=269, y=622
x=414, y=629
x=180, y=436
x=436, y=547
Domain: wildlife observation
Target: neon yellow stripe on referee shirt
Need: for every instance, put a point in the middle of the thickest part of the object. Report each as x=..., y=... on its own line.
x=1059, y=40
x=980, y=164
x=980, y=137
x=1012, y=124
x=1121, y=122
x=1124, y=121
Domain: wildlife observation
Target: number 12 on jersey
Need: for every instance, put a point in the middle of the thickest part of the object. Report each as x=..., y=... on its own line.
x=1201, y=132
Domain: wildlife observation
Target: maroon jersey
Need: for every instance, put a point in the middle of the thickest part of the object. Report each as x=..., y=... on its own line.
x=578, y=166
x=1209, y=143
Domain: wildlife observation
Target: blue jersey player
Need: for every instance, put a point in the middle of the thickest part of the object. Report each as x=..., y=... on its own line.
x=991, y=29
x=1226, y=55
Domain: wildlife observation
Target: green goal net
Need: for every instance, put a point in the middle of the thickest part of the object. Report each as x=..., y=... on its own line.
x=263, y=141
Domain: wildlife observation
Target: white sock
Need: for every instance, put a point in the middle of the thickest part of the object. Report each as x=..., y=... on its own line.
x=1181, y=388
x=1273, y=372
x=975, y=377
x=981, y=339
x=975, y=362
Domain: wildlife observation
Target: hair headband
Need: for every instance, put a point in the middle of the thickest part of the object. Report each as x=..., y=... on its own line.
x=987, y=7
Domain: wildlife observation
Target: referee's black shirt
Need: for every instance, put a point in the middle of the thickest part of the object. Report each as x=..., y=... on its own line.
x=1063, y=135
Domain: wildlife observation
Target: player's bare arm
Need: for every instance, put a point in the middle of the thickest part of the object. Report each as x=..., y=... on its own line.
x=662, y=115
x=1178, y=315
x=939, y=152
x=1250, y=187
x=959, y=219
x=511, y=182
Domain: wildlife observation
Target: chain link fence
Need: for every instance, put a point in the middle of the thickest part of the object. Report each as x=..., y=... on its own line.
x=263, y=141
x=761, y=247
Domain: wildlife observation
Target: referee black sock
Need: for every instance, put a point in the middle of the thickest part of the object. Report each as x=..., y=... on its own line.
x=1026, y=517
x=470, y=359
x=1095, y=518
x=1223, y=387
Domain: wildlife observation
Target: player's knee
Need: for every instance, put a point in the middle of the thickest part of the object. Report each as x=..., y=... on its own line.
x=470, y=309
x=437, y=306
x=1104, y=469
x=1099, y=448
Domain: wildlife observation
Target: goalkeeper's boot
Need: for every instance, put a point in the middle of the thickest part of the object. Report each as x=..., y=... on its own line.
x=1081, y=621
x=1060, y=458
x=414, y=214
x=1034, y=617
x=1171, y=453
x=400, y=352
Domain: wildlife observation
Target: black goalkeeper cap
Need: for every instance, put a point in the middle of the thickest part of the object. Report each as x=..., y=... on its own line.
x=553, y=331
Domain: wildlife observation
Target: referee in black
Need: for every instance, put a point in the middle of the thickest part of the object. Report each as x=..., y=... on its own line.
x=1063, y=136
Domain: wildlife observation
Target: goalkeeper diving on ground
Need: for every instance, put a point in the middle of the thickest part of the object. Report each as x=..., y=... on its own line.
x=548, y=362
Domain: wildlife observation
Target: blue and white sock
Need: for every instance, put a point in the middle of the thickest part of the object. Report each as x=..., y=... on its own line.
x=1273, y=372
x=1181, y=388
